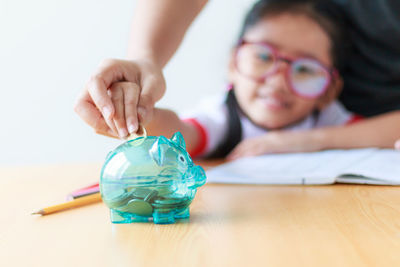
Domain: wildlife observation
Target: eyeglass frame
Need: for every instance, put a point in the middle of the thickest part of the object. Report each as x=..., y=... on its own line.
x=277, y=56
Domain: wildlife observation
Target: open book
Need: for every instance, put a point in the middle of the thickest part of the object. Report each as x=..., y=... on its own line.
x=361, y=166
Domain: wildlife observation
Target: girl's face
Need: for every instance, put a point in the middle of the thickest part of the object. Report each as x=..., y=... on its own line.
x=271, y=103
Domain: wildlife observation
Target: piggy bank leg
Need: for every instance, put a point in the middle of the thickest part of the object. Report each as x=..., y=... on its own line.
x=163, y=217
x=184, y=214
x=118, y=217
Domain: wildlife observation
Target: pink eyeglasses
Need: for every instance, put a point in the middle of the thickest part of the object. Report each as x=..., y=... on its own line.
x=306, y=77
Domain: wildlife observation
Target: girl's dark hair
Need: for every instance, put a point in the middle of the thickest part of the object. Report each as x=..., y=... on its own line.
x=328, y=15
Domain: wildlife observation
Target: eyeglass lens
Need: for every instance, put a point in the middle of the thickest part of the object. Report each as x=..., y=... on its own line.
x=306, y=76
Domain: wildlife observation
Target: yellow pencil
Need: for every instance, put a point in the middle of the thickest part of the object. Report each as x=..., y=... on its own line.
x=70, y=204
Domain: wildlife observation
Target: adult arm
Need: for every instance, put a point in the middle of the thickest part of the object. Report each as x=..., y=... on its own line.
x=158, y=28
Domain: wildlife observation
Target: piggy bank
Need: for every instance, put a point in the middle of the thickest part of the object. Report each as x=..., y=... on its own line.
x=150, y=179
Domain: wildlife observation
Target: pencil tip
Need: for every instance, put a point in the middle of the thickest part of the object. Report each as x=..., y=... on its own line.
x=37, y=212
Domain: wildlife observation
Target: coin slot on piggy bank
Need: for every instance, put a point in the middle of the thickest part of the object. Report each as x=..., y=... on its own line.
x=150, y=178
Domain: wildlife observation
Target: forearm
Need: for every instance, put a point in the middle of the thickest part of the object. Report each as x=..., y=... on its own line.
x=166, y=122
x=379, y=131
x=159, y=26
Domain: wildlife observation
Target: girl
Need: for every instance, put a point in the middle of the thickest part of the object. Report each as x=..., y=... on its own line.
x=284, y=74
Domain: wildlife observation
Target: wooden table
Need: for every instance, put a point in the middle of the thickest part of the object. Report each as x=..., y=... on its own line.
x=230, y=225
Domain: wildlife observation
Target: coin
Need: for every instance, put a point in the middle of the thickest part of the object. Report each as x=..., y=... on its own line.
x=151, y=196
x=141, y=132
x=137, y=206
x=165, y=190
x=140, y=192
x=171, y=203
x=115, y=203
x=117, y=198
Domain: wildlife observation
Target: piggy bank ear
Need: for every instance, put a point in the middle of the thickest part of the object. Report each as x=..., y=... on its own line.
x=178, y=139
x=157, y=150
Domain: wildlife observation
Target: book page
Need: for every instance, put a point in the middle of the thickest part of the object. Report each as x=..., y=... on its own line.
x=381, y=167
x=294, y=168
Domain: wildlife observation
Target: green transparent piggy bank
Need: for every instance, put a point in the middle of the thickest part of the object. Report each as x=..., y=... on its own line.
x=150, y=179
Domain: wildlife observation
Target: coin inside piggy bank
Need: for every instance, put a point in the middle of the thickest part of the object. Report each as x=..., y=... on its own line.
x=150, y=178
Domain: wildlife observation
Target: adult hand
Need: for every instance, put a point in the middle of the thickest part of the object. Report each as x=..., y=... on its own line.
x=119, y=95
x=275, y=142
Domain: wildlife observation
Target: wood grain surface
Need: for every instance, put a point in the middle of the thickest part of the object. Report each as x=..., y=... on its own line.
x=230, y=225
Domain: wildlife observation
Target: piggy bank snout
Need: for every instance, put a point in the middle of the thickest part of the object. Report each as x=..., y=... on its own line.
x=195, y=177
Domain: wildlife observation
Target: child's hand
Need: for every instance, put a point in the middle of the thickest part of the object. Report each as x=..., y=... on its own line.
x=397, y=144
x=119, y=95
x=275, y=142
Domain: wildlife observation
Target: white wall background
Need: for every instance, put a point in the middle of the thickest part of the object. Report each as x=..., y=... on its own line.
x=48, y=49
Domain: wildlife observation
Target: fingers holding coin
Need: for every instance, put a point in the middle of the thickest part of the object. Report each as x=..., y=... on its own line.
x=141, y=132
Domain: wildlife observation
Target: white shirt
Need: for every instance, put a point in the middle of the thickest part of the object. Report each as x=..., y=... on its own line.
x=211, y=119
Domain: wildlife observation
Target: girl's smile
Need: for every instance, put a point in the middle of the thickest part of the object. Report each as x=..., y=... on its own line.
x=273, y=103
